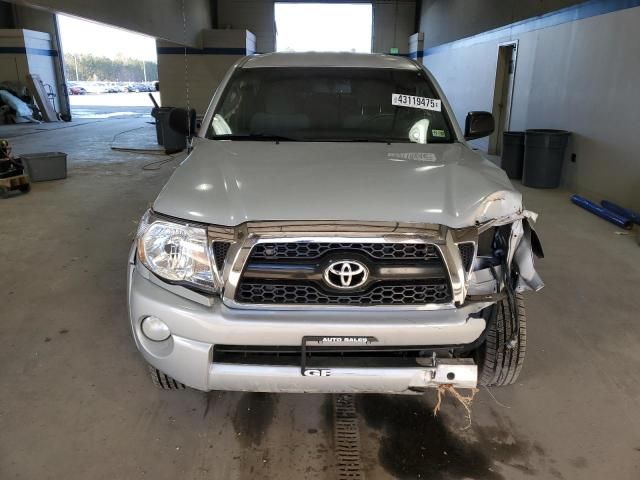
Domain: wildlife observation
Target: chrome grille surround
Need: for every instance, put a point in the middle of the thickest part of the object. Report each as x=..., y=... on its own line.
x=312, y=250
x=249, y=235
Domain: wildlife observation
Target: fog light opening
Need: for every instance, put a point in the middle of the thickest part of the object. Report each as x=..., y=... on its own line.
x=155, y=329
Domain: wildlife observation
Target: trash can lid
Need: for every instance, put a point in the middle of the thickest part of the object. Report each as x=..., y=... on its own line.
x=547, y=131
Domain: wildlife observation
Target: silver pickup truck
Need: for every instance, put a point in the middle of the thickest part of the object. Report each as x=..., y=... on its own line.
x=332, y=231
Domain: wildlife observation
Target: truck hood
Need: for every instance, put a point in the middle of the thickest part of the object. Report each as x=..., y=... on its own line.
x=231, y=182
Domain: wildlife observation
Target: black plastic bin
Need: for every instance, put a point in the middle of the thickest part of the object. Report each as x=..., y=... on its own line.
x=543, y=157
x=159, y=113
x=513, y=154
x=173, y=141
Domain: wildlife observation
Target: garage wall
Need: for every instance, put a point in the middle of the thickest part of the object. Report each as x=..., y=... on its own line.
x=6, y=15
x=205, y=67
x=48, y=62
x=253, y=15
x=447, y=20
x=393, y=22
x=580, y=75
x=161, y=19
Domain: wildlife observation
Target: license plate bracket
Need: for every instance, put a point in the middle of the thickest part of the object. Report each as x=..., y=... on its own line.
x=330, y=342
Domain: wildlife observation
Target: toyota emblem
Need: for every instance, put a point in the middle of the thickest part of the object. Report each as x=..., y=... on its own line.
x=346, y=274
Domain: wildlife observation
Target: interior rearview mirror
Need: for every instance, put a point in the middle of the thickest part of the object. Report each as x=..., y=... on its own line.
x=478, y=125
x=182, y=121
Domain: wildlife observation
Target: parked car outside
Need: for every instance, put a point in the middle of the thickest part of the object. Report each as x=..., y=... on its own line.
x=139, y=87
x=95, y=87
x=76, y=90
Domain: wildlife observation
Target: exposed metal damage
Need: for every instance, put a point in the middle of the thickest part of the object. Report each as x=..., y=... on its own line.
x=493, y=259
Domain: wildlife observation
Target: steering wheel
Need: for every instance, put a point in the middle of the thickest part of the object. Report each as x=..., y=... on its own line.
x=378, y=117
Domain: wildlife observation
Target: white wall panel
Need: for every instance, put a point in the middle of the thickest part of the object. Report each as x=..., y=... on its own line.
x=581, y=76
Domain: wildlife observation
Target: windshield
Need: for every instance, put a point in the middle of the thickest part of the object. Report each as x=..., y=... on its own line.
x=331, y=104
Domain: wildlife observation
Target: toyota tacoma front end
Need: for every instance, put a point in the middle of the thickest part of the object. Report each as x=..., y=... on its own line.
x=332, y=231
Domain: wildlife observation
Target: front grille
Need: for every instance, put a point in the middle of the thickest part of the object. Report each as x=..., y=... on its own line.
x=312, y=250
x=297, y=273
x=412, y=294
x=328, y=356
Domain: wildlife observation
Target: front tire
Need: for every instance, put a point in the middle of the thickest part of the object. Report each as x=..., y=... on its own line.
x=498, y=364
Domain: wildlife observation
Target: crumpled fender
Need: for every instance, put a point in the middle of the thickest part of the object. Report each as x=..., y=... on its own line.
x=524, y=243
x=522, y=255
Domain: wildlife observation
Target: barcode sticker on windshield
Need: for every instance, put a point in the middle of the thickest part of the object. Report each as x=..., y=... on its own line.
x=424, y=103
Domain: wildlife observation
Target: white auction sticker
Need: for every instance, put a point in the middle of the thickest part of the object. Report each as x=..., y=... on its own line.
x=424, y=103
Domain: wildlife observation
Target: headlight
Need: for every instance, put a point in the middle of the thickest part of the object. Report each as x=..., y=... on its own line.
x=175, y=252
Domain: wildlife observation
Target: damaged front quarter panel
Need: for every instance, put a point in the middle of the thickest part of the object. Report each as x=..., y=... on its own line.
x=513, y=245
x=523, y=251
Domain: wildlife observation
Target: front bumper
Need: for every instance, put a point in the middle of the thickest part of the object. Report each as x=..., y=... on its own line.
x=196, y=328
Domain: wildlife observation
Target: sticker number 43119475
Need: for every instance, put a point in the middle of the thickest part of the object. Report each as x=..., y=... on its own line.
x=410, y=101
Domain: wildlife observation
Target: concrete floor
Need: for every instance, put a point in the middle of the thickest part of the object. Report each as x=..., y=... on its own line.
x=76, y=403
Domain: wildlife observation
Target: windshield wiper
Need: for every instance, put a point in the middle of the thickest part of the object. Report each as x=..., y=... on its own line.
x=281, y=138
x=363, y=140
x=255, y=136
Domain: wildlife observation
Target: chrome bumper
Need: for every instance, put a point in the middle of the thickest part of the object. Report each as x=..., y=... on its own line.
x=187, y=355
x=459, y=373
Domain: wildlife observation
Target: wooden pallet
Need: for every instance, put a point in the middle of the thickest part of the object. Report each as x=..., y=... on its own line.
x=19, y=182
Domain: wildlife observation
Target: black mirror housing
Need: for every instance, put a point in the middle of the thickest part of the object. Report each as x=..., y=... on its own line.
x=183, y=121
x=478, y=125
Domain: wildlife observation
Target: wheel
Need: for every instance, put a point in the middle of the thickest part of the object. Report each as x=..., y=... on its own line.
x=164, y=381
x=4, y=192
x=498, y=364
x=26, y=188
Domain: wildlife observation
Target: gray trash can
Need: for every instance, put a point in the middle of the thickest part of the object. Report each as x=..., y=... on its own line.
x=513, y=154
x=543, y=156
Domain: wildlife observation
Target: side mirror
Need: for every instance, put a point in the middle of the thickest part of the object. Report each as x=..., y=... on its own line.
x=183, y=121
x=478, y=125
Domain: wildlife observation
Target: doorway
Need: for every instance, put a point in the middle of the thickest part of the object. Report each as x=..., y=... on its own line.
x=503, y=93
x=110, y=72
x=323, y=27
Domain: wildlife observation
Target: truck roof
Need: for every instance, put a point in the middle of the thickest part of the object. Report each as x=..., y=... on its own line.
x=328, y=59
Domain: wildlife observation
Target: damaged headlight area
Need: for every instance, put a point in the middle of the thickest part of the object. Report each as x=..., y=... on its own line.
x=176, y=252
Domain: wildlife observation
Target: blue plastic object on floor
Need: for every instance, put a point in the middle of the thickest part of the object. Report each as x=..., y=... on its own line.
x=602, y=212
x=623, y=212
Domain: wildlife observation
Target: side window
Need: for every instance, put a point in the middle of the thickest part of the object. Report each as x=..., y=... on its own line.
x=226, y=120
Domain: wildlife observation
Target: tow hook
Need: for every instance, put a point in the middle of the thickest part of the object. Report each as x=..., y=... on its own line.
x=458, y=372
